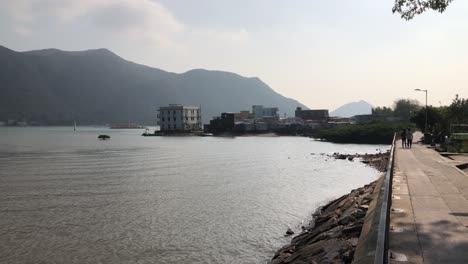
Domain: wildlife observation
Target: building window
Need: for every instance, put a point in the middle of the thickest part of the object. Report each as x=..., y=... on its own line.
x=174, y=126
x=174, y=118
x=163, y=119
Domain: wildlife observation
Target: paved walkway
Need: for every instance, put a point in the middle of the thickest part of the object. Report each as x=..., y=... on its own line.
x=429, y=217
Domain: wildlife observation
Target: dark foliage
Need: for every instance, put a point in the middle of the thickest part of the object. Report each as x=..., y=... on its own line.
x=440, y=118
x=435, y=118
x=380, y=132
x=410, y=8
x=402, y=109
x=405, y=108
x=382, y=111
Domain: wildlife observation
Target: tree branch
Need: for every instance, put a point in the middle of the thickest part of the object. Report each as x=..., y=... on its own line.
x=410, y=8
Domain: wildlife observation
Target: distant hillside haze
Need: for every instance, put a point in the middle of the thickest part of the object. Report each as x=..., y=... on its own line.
x=352, y=109
x=96, y=87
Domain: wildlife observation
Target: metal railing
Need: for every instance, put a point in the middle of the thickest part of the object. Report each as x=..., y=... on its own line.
x=381, y=249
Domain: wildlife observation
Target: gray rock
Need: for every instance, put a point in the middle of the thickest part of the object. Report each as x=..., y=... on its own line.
x=289, y=232
x=333, y=233
x=346, y=220
x=353, y=241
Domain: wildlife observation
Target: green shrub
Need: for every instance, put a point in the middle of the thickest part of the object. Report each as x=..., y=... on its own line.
x=378, y=132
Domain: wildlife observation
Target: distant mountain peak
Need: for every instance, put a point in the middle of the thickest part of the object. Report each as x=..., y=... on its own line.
x=360, y=107
x=53, y=52
x=212, y=72
x=5, y=49
x=102, y=51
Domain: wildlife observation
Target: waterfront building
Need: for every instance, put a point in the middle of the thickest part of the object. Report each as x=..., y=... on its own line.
x=261, y=126
x=223, y=123
x=243, y=115
x=261, y=119
x=259, y=111
x=244, y=126
x=336, y=121
x=318, y=115
x=179, y=118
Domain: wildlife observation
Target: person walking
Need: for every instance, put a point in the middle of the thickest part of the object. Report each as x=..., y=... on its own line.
x=409, y=138
x=403, y=138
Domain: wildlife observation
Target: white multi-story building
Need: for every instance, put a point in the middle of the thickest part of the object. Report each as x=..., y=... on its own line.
x=177, y=117
x=260, y=112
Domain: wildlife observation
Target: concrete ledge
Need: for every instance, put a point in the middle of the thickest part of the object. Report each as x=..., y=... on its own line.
x=365, y=249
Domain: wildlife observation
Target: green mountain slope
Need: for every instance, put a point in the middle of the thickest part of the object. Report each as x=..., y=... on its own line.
x=97, y=86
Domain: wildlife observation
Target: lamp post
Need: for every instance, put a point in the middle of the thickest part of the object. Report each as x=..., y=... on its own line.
x=421, y=90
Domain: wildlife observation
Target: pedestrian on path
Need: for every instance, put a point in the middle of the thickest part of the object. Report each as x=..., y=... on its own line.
x=403, y=138
x=409, y=138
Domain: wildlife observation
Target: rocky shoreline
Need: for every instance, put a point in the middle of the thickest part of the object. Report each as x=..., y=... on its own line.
x=333, y=233
x=378, y=161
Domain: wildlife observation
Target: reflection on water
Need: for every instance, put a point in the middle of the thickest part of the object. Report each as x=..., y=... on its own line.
x=67, y=197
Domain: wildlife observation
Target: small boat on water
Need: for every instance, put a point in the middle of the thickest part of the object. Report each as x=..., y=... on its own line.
x=103, y=137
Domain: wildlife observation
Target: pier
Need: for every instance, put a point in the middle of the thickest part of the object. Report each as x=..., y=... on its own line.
x=420, y=211
x=429, y=213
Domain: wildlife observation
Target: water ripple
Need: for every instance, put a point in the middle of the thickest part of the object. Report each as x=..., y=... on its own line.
x=68, y=198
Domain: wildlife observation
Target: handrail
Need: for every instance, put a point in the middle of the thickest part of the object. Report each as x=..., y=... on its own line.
x=381, y=249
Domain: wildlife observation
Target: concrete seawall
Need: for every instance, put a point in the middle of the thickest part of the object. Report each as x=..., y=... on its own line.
x=365, y=249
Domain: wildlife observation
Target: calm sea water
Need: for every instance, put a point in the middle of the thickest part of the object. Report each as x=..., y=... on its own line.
x=66, y=197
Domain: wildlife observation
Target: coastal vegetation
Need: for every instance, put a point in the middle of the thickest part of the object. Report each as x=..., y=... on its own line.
x=440, y=118
x=405, y=113
x=380, y=129
x=403, y=109
x=375, y=132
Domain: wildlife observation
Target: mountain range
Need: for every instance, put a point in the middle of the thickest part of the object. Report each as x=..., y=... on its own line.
x=352, y=109
x=55, y=87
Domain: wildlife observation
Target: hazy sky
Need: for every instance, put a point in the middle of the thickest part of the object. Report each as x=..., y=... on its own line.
x=322, y=53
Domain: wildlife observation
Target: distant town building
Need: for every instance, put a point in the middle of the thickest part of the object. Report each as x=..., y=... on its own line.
x=262, y=119
x=339, y=119
x=290, y=121
x=176, y=117
x=243, y=127
x=243, y=115
x=320, y=115
x=260, y=112
x=223, y=123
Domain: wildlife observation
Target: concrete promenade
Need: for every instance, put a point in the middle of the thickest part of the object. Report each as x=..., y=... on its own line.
x=429, y=215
